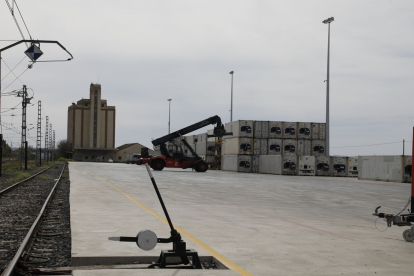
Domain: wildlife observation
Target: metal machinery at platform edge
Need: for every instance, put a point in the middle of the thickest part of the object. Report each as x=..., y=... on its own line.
x=402, y=219
x=147, y=240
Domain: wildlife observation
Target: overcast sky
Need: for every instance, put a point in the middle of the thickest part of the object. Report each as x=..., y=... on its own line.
x=146, y=52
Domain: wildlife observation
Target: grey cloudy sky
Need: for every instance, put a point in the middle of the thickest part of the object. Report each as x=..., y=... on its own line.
x=146, y=52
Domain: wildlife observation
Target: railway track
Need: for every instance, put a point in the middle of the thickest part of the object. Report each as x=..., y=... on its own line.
x=33, y=226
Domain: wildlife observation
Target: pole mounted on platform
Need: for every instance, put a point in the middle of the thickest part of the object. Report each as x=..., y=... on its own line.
x=328, y=21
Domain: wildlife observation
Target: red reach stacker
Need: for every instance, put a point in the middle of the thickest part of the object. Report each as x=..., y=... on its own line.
x=177, y=158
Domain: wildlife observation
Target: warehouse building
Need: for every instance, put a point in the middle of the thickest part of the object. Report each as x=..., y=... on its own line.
x=130, y=148
x=91, y=128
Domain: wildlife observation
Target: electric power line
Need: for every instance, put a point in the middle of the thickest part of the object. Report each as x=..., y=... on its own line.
x=11, y=70
x=15, y=20
x=367, y=145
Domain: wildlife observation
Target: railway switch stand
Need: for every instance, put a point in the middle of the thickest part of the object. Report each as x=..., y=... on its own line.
x=147, y=239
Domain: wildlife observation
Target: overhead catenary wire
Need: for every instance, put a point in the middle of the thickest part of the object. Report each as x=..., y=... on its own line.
x=368, y=145
x=11, y=70
x=15, y=20
x=27, y=29
x=15, y=79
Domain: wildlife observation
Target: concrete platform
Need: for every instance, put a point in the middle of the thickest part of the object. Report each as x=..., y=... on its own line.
x=255, y=224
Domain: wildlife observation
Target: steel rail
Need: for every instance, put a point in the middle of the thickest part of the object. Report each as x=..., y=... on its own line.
x=12, y=264
x=22, y=181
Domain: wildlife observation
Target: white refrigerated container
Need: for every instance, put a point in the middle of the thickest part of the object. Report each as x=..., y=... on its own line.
x=318, y=148
x=407, y=168
x=306, y=165
x=352, y=166
x=289, y=164
x=259, y=146
x=290, y=130
x=230, y=163
x=274, y=146
x=304, y=147
x=323, y=165
x=270, y=164
x=382, y=168
x=256, y=162
x=245, y=163
x=191, y=139
x=304, y=130
x=290, y=147
x=261, y=129
x=339, y=166
x=234, y=146
x=202, y=137
x=276, y=129
x=205, y=148
x=241, y=128
x=318, y=131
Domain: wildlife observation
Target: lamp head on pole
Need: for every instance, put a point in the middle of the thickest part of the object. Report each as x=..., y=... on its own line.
x=231, y=72
x=329, y=20
x=169, y=100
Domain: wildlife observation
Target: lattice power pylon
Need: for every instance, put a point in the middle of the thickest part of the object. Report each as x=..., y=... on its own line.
x=25, y=101
x=46, y=154
x=39, y=135
x=50, y=142
x=53, y=144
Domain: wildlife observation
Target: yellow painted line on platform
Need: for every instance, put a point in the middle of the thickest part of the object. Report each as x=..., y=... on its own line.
x=204, y=246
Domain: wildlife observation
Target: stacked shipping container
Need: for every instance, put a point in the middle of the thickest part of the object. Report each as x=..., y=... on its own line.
x=276, y=147
x=286, y=139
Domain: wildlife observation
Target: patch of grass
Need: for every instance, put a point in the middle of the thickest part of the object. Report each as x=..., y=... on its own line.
x=19, y=175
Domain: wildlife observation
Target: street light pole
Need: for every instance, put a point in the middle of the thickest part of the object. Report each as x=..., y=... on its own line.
x=231, y=105
x=169, y=115
x=328, y=21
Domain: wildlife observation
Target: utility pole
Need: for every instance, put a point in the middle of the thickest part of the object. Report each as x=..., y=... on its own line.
x=53, y=144
x=25, y=155
x=328, y=21
x=39, y=135
x=50, y=142
x=231, y=104
x=25, y=101
x=169, y=115
x=46, y=139
x=403, y=146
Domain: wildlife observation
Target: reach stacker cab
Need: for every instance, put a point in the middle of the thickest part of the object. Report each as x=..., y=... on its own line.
x=177, y=158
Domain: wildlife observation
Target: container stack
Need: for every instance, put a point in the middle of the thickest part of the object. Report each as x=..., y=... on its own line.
x=273, y=147
x=237, y=150
x=290, y=140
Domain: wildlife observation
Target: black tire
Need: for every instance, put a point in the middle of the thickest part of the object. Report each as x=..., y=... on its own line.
x=139, y=162
x=201, y=166
x=158, y=165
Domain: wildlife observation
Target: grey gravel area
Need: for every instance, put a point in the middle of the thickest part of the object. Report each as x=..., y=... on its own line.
x=52, y=243
x=18, y=210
